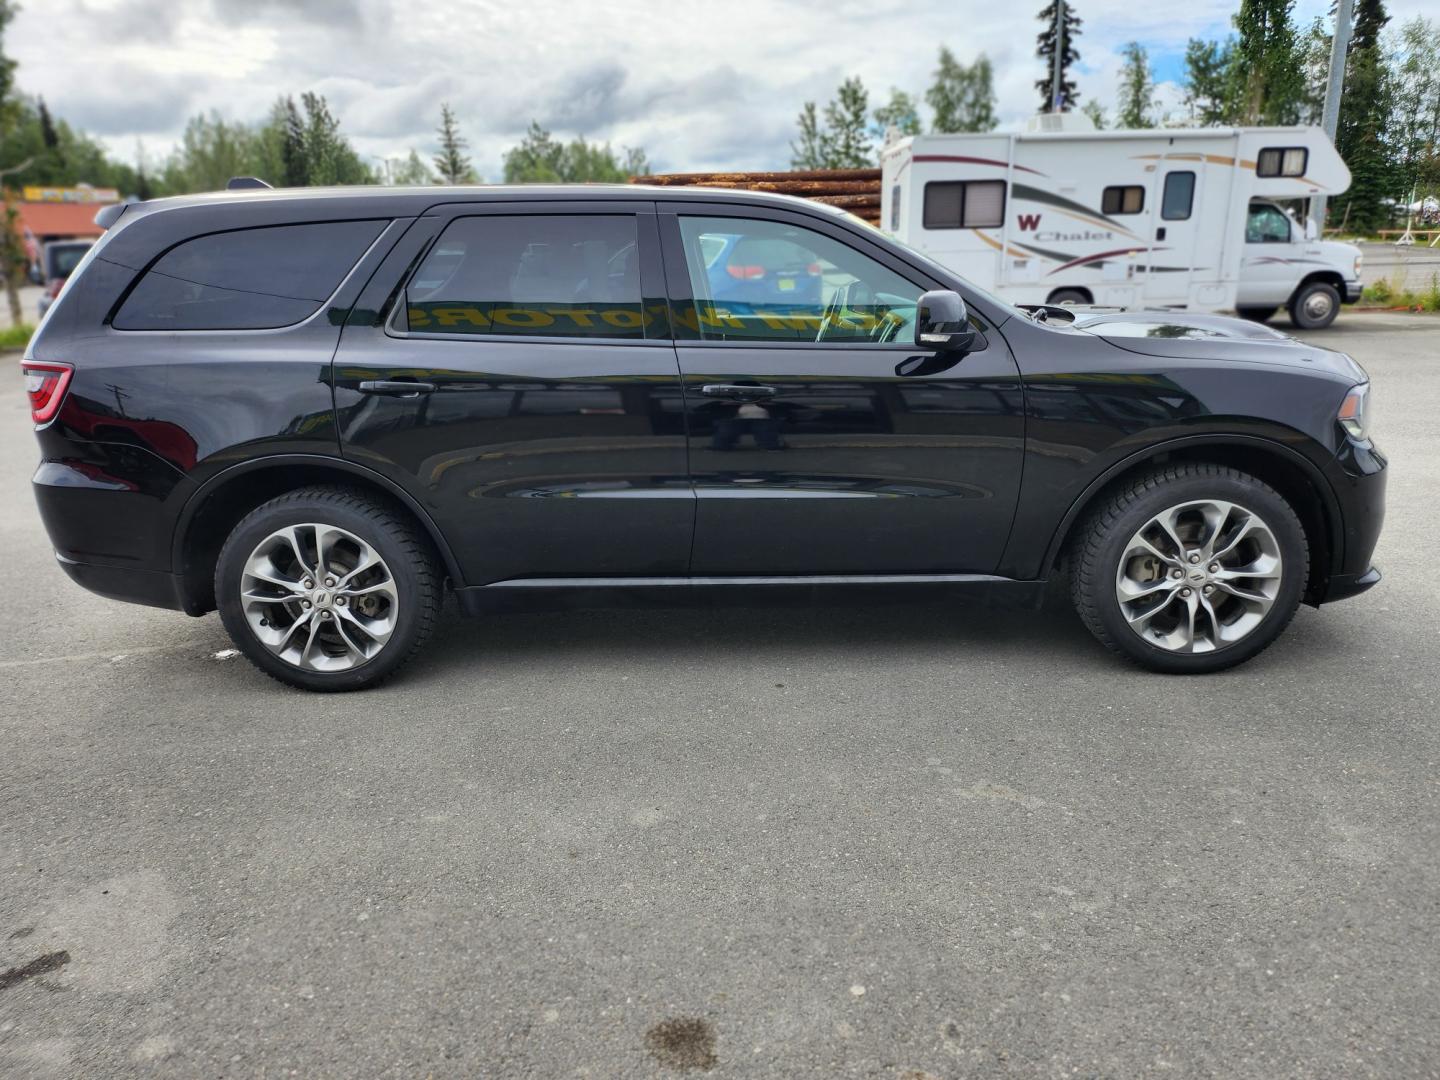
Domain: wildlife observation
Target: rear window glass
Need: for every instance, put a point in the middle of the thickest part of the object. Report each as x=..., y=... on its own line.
x=250, y=279
x=543, y=275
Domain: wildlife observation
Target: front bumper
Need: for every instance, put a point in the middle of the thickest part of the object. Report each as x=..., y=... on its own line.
x=1344, y=586
x=1353, y=289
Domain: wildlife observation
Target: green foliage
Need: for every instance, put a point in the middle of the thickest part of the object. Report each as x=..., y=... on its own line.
x=1096, y=112
x=847, y=142
x=962, y=97
x=1383, y=294
x=16, y=337
x=397, y=172
x=543, y=159
x=1266, y=75
x=1045, y=50
x=1137, y=89
x=452, y=163
x=1362, y=130
x=1415, y=121
x=1380, y=292
x=1430, y=298
x=843, y=140
x=900, y=112
x=1207, y=80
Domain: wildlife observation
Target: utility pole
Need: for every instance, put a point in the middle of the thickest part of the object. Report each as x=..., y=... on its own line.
x=1059, y=57
x=1330, y=115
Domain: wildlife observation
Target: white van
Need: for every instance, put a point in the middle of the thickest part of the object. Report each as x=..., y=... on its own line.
x=1159, y=218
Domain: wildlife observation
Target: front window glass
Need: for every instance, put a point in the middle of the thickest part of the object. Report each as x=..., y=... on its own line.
x=768, y=281
x=1267, y=225
x=540, y=275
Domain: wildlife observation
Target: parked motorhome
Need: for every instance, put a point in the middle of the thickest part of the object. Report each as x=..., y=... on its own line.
x=1162, y=218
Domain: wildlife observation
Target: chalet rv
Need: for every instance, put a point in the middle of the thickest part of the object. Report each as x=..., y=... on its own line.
x=1164, y=218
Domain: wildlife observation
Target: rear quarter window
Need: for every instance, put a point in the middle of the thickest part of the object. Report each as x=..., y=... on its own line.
x=248, y=279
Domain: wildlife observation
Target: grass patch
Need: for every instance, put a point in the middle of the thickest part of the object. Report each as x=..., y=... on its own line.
x=16, y=337
x=1382, y=294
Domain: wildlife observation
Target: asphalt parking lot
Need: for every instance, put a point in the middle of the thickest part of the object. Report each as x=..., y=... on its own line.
x=869, y=839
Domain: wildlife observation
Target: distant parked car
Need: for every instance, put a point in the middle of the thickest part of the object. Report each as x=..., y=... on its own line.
x=58, y=260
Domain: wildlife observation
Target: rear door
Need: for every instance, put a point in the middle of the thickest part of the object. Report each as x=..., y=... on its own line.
x=821, y=440
x=512, y=366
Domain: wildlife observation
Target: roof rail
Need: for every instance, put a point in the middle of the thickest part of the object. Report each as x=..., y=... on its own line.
x=239, y=183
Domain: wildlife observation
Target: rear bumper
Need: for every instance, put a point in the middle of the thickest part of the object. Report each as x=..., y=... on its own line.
x=153, y=588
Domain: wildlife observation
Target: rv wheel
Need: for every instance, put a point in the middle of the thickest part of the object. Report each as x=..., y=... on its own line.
x=1314, y=306
x=1069, y=296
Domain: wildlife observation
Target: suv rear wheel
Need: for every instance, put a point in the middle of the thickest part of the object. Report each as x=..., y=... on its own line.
x=1192, y=568
x=327, y=589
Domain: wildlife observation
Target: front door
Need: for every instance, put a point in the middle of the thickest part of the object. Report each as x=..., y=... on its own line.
x=821, y=440
x=521, y=385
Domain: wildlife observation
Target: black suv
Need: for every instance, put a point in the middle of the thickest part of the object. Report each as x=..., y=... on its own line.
x=316, y=410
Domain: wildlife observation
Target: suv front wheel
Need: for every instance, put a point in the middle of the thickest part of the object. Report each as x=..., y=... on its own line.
x=1192, y=568
x=327, y=589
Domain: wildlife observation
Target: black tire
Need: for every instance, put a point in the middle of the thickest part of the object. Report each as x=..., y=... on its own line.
x=1314, y=306
x=1257, y=314
x=406, y=551
x=1097, y=549
x=1069, y=296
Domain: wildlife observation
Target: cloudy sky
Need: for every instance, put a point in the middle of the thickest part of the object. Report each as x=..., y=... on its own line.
x=698, y=84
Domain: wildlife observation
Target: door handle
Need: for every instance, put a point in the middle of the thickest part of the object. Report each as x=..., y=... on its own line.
x=738, y=393
x=397, y=387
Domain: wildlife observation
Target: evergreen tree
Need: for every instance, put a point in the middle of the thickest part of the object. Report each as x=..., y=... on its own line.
x=1045, y=50
x=452, y=163
x=807, y=152
x=1360, y=134
x=900, y=112
x=962, y=97
x=846, y=140
x=1206, y=81
x=1266, y=76
x=1137, y=89
x=542, y=159
x=47, y=126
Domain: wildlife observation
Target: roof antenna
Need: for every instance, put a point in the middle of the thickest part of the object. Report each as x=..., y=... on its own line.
x=240, y=183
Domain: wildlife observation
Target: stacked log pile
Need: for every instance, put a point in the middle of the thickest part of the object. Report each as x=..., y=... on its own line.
x=855, y=190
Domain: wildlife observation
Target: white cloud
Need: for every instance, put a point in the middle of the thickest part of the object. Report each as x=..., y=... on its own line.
x=707, y=84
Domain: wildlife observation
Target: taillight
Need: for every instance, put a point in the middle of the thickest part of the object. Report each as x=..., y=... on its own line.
x=46, y=384
x=745, y=273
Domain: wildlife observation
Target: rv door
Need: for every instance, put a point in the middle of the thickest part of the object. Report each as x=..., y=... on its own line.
x=1175, y=232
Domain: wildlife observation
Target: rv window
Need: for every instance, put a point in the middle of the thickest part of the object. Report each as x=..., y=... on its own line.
x=895, y=208
x=1179, y=196
x=1282, y=161
x=944, y=205
x=965, y=204
x=1122, y=200
x=985, y=204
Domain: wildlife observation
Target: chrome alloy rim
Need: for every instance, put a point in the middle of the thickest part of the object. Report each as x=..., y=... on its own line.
x=1199, y=576
x=319, y=597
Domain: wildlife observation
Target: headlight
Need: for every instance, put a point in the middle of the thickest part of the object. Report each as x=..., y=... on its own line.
x=1359, y=261
x=1353, y=412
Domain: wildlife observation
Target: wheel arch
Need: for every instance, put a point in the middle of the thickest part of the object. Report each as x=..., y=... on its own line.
x=1327, y=277
x=1289, y=472
x=214, y=508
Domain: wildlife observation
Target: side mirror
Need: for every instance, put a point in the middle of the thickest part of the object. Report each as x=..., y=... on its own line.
x=942, y=322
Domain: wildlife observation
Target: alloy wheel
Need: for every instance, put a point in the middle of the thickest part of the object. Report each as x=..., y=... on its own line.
x=1199, y=576
x=319, y=597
